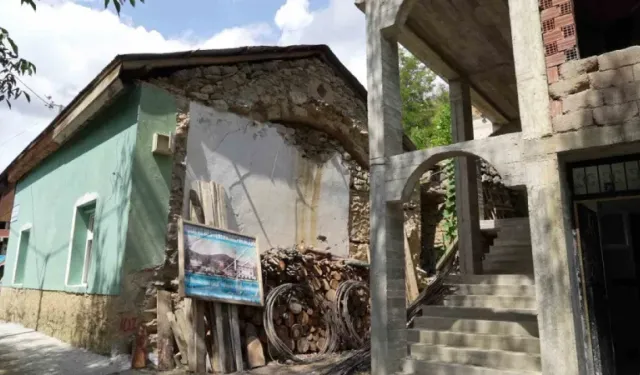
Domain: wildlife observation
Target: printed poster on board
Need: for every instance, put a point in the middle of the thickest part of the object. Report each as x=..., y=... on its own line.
x=219, y=265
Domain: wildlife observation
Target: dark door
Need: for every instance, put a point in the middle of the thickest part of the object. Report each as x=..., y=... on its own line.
x=595, y=283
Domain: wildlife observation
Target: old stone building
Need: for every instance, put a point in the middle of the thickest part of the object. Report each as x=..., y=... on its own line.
x=282, y=129
x=558, y=290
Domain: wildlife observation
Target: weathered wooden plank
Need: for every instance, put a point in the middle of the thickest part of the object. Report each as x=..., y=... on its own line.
x=165, y=342
x=200, y=349
x=221, y=339
x=236, y=343
x=178, y=335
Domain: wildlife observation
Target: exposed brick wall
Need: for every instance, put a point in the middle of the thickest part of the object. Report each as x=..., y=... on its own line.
x=558, y=34
x=597, y=91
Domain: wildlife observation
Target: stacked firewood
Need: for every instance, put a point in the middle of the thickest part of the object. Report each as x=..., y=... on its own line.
x=301, y=320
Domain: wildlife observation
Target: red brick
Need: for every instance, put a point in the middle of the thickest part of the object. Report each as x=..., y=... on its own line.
x=565, y=20
x=550, y=13
x=567, y=43
x=552, y=36
x=553, y=75
x=556, y=108
x=558, y=2
x=555, y=60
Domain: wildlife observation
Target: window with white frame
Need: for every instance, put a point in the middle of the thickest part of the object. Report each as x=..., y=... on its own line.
x=82, y=242
x=21, y=256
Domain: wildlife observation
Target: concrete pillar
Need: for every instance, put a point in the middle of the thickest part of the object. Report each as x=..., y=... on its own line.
x=550, y=242
x=469, y=241
x=530, y=67
x=387, y=279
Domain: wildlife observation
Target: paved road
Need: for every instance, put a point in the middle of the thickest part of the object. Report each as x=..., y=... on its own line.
x=26, y=352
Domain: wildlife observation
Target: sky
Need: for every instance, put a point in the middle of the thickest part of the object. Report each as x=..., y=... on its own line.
x=70, y=41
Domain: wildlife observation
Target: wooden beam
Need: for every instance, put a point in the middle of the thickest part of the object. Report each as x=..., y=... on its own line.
x=104, y=91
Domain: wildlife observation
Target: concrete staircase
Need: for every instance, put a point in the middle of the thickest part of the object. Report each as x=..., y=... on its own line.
x=511, y=250
x=488, y=325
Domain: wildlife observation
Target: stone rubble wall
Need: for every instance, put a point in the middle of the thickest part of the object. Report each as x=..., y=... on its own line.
x=597, y=91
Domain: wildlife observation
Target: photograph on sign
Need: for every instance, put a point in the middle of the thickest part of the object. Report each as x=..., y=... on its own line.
x=219, y=265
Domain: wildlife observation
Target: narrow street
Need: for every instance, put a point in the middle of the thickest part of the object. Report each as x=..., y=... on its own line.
x=24, y=351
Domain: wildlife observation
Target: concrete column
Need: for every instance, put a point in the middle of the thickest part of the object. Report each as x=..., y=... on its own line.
x=469, y=241
x=387, y=279
x=530, y=67
x=550, y=242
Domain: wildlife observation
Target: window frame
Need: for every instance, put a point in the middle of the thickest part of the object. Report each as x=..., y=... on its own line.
x=25, y=228
x=86, y=200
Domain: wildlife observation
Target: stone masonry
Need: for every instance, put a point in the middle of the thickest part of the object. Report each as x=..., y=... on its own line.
x=597, y=91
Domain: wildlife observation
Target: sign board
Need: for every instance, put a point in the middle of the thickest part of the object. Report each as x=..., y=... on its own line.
x=14, y=213
x=219, y=265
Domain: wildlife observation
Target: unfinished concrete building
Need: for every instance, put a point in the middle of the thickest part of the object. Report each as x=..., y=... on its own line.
x=559, y=80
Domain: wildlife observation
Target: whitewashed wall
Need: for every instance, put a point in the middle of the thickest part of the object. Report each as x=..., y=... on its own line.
x=274, y=193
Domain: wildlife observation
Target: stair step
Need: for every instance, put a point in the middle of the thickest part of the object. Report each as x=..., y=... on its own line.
x=529, y=345
x=494, y=290
x=512, y=269
x=418, y=367
x=525, y=241
x=504, y=302
x=485, y=327
x=495, y=359
x=508, y=315
x=522, y=279
x=510, y=250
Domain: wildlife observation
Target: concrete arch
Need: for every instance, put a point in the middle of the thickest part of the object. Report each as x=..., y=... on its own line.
x=404, y=171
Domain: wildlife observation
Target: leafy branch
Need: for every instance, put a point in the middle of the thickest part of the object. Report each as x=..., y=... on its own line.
x=12, y=65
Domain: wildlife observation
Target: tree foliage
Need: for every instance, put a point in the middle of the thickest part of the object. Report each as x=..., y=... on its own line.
x=426, y=114
x=12, y=65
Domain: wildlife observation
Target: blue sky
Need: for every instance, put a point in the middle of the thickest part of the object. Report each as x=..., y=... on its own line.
x=70, y=41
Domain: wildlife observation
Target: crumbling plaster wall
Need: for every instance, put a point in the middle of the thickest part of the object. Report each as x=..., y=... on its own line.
x=282, y=188
x=306, y=95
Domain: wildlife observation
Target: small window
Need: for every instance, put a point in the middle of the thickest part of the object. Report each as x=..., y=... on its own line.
x=82, y=238
x=21, y=261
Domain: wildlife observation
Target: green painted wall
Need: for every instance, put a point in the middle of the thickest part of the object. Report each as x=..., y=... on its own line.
x=98, y=160
x=151, y=181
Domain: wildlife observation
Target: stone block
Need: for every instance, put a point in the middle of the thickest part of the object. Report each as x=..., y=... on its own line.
x=585, y=99
x=615, y=114
x=572, y=121
x=620, y=58
x=359, y=213
x=613, y=95
x=636, y=72
x=618, y=95
x=610, y=78
x=575, y=68
x=570, y=86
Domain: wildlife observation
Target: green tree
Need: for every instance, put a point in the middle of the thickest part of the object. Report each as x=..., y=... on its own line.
x=12, y=65
x=426, y=116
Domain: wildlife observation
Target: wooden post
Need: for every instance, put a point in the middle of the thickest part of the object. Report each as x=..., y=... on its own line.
x=165, y=342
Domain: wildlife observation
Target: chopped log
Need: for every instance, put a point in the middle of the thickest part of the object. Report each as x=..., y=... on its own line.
x=313, y=347
x=295, y=308
x=303, y=318
x=302, y=345
x=334, y=284
x=289, y=319
x=336, y=275
x=321, y=343
x=316, y=284
x=317, y=270
x=331, y=295
x=296, y=331
x=255, y=352
x=325, y=285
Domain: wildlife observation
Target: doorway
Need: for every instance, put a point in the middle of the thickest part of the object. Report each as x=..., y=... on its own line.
x=609, y=248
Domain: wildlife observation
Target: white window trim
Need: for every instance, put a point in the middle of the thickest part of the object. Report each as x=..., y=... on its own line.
x=82, y=201
x=26, y=227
